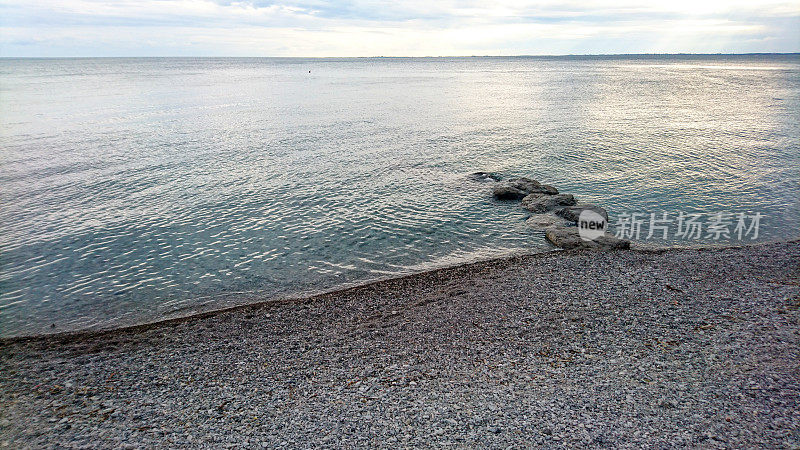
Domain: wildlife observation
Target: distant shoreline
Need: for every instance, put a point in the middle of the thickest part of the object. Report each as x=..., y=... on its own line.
x=559, y=56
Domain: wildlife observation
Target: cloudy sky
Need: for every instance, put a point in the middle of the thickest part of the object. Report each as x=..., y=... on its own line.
x=393, y=28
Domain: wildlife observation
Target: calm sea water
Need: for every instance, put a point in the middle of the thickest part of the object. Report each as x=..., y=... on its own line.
x=138, y=189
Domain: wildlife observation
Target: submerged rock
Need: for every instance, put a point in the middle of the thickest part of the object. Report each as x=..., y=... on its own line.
x=545, y=220
x=485, y=176
x=517, y=188
x=572, y=213
x=569, y=238
x=540, y=203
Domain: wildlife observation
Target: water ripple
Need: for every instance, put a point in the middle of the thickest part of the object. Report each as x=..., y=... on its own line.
x=154, y=188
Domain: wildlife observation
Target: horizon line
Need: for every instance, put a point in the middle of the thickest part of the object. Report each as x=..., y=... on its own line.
x=426, y=56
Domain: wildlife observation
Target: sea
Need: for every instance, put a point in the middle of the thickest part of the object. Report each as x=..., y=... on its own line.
x=135, y=190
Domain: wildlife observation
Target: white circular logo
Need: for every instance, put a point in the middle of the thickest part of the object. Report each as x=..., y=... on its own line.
x=591, y=225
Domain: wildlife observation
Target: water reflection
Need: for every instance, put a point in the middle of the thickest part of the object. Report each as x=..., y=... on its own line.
x=136, y=189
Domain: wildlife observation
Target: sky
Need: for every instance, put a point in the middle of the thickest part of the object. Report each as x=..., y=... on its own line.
x=393, y=28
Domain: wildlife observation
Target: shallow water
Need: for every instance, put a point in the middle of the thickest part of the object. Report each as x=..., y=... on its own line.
x=138, y=189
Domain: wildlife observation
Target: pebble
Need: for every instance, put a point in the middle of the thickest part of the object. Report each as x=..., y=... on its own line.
x=582, y=349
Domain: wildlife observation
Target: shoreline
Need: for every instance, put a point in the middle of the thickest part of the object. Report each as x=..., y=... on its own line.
x=670, y=347
x=140, y=327
x=289, y=299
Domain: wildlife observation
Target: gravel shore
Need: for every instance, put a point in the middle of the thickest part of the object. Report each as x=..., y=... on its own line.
x=681, y=347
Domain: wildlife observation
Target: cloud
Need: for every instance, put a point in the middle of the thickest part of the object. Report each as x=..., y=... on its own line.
x=370, y=27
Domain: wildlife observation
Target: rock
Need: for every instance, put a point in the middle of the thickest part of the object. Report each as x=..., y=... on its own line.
x=540, y=203
x=485, y=176
x=569, y=238
x=504, y=191
x=545, y=220
x=549, y=190
x=572, y=213
x=517, y=188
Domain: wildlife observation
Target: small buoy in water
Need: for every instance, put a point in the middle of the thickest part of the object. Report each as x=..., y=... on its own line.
x=309, y=71
x=52, y=325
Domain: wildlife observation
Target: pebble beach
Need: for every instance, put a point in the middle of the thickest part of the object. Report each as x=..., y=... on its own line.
x=583, y=348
